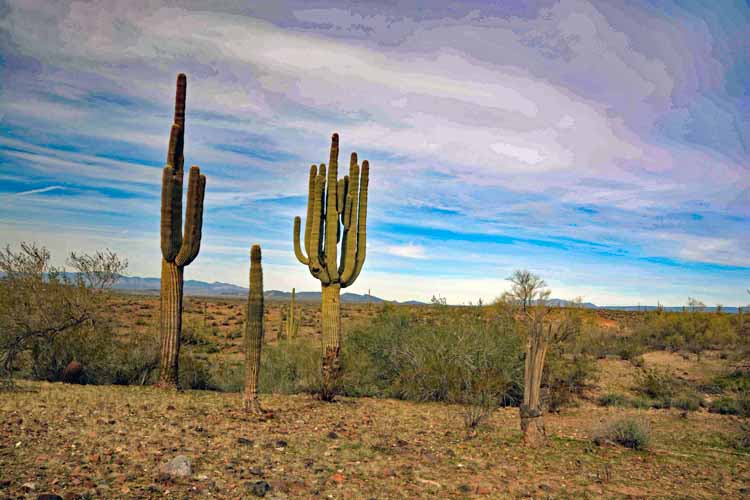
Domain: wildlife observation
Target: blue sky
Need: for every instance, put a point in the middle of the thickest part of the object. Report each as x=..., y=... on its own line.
x=602, y=146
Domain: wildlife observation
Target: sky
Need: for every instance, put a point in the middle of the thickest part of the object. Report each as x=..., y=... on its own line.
x=601, y=145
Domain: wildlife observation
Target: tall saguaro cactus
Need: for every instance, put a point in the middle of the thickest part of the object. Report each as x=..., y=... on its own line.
x=253, y=332
x=178, y=249
x=334, y=204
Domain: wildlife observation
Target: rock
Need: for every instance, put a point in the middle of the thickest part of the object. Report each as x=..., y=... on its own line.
x=29, y=486
x=260, y=488
x=280, y=444
x=464, y=488
x=245, y=441
x=332, y=435
x=73, y=373
x=180, y=466
x=49, y=496
x=545, y=487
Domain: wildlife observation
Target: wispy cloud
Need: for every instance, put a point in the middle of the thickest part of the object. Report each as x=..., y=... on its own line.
x=32, y=191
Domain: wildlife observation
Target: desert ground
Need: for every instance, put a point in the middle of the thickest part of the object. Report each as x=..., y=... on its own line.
x=89, y=441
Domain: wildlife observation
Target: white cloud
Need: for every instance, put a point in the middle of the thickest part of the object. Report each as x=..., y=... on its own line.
x=410, y=251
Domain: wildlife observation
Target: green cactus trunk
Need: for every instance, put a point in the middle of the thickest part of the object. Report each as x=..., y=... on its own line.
x=331, y=325
x=253, y=333
x=336, y=213
x=171, y=320
x=178, y=249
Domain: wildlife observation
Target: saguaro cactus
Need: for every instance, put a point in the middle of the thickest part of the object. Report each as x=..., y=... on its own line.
x=333, y=201
x=253, y=332
x=178, y=250
x=292, y=320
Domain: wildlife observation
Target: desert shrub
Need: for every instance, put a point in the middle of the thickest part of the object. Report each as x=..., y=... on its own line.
x=687, y=400
x=40, y=302
x=456, y=356
x=656, y=384
x=741, y=440
x=194, y=373
x=612, y=399
x=134, y=361
x=738, y=405
x=291, y=366
x=630, y=432
x=694, y=331
x=567, y=378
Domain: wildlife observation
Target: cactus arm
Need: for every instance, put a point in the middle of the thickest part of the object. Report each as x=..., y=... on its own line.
x=348, y=257
x=297, y=248
x=361, y=225
x=317, y=226
x=191, y=242
x=171, y=213
x=332, y=214
x=310, y=205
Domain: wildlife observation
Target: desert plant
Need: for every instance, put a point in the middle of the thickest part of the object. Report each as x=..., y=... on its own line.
x=612, y=399
x=253, y=333
x=630, y=432
x=292, y=319
x=542, y=330
x=332, y=201
x=39, y=302
x=177, y=250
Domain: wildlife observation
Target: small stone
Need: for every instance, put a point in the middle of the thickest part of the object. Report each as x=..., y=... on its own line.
x=179, y=466
x=281, y=443
x=49, y=496
x=29, y=486
x=256, y=471
x=332, y=435
x=245, y=441
x=464, y=488
x=545, y=487
x=260, y=488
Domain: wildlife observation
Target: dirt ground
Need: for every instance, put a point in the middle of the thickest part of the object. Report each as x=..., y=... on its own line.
x=110, y=442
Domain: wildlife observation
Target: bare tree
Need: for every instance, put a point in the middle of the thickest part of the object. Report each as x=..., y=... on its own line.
x=527, y=288
x=40, y=301
x=542, y=330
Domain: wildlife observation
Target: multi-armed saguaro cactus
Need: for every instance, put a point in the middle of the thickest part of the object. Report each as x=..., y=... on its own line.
x=177, y=249
x=253, y=333
x=332, y=201
x=292, y=320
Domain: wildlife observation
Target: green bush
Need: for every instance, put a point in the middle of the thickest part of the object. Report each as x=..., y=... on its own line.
x=567, y=378
x=630, y=432
x=290, y=366
x=613, y=399
x=739, y=405
x=656, y=384
x=456, y=357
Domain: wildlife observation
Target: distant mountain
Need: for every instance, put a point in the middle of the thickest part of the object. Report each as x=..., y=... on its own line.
x=134, y=284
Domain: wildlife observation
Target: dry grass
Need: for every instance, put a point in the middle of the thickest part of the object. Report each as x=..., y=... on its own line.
x=108, y=442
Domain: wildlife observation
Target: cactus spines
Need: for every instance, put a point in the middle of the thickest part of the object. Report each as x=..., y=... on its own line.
x=292, y=319
x=178, y=249
x=336, y=213
x=253, y=333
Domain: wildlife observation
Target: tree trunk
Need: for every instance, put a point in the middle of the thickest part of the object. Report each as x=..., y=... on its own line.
x=171, y=322
x=532, y=422
x=331, y=326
